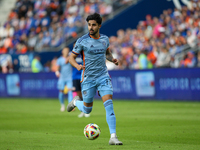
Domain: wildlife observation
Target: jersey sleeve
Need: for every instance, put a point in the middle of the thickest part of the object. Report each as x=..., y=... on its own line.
x=108, y=43
x=77, y=48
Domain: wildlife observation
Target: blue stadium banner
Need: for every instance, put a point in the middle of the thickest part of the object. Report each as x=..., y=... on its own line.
x=178, y=84
x=158, y=84
x=28, y=85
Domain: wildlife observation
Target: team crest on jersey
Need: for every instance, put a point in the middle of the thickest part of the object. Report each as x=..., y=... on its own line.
x=104, y=43
x=84, y=93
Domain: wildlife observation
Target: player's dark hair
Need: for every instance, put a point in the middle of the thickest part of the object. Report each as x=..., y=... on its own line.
x=95, y=17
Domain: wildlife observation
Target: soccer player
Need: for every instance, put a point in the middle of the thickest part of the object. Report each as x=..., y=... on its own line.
x=65, y=77
x=76, y=75
x=94, y=48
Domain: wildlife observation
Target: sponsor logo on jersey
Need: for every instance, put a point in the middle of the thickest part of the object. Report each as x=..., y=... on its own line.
x=97, y=51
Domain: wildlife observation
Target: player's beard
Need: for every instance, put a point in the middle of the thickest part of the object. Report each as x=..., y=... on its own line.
x=93, y=33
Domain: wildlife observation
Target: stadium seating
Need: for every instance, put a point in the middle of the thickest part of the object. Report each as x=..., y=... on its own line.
x=46, y=25
x=172, y=40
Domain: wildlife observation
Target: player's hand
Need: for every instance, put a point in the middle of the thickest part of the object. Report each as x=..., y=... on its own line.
x=115, y=61
x=80, y=67
x=57, y=73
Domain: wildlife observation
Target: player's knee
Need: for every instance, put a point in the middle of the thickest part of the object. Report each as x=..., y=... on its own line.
x=87, y=110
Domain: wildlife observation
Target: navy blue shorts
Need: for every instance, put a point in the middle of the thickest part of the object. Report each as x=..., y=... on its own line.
x=77, y=85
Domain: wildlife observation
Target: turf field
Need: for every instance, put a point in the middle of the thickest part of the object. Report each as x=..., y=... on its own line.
x=38, y=124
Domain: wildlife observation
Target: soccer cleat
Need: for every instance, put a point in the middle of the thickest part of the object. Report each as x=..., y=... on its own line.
x=71, y=105
x=62, y=109
x=115, y=141
x=87, y=115
x=81, y=115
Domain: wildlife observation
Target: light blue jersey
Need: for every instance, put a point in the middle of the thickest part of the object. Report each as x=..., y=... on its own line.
x=65, y=69
x=64, y=79
x=94, y=56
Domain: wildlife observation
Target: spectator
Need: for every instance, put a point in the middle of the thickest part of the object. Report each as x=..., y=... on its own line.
x=31, y=41
x=8, y=43
x=21, y=48
x=39, y=43
x=163, y=59
x=36, y=65
x=191, y=39
x=190, y=60
x=143, y=61
x=152, y=55
x=8, y=31
x=6, y=63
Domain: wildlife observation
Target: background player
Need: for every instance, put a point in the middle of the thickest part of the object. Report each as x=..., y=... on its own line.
x=65, y=77
x=76, y=75
x=94, y=48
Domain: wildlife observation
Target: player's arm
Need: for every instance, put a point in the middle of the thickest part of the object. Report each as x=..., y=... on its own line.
x=110, y=58
x=72, y=61
x=57, y=72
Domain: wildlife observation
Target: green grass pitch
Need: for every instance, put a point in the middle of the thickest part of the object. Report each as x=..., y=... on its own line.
x=38, y=124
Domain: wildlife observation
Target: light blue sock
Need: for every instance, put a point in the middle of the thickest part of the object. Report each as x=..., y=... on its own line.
x=61, y=97
x=110, y=116
x=79, y=105
x=70, y=96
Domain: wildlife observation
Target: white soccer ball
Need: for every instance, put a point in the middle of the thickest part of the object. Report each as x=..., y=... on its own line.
x=92, y=131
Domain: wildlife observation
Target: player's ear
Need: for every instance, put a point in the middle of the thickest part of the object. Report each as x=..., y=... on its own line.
x=100, y=26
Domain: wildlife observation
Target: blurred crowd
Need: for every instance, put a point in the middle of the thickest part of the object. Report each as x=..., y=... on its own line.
x=38, y=25
x=34, y=25
x=157, y=40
